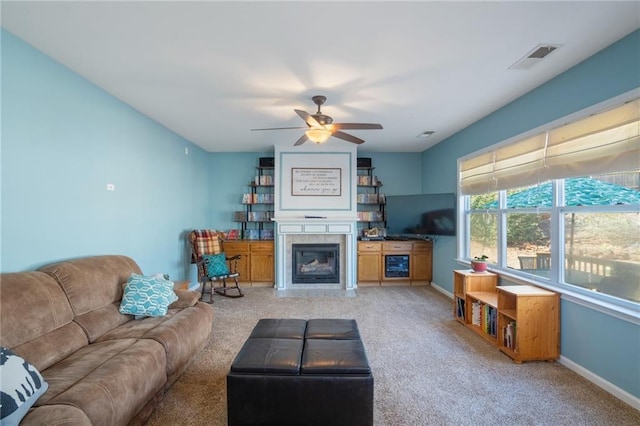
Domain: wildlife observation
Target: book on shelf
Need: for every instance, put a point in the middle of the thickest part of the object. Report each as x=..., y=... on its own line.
x=460, y=308
x=372, y=216
x=370, y=198
x=489, y=320
x=263, y=180
x=251, y=234
x=263, y=198
x=240, y=216
x=476, y=313
x=509, y=334
x=365, y=180
x=233, y=234
x=266, y=234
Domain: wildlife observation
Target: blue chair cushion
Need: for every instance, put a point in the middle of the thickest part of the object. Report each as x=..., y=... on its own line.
x=216, y=265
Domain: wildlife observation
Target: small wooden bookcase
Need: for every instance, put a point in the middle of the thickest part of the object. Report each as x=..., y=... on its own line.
x=521, y=320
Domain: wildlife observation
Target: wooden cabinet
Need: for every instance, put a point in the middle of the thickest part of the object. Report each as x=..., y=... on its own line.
x=528, y=323
x=522, y=321
x=369, y=263
x=262, y=267
x=232, y=248
x=256, y=264
x=395, y=263
x=421, y=263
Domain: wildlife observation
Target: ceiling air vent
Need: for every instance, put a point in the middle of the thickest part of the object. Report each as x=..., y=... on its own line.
x=536, y=55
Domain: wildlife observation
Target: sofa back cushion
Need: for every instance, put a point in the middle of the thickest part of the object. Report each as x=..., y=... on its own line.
x=93, y=286
x=36, y=319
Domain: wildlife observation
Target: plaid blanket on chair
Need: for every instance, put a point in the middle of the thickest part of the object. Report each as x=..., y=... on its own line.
x=204, y=241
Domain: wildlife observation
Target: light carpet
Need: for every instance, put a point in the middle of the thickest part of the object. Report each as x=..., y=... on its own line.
x=428, y=369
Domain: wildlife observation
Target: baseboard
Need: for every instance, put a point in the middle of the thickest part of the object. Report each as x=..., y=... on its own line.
x=442, y=290
x=614, y=390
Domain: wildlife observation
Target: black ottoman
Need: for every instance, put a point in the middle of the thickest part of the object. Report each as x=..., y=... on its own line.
x=280, y=328
x=332, y=329
x=293, y=380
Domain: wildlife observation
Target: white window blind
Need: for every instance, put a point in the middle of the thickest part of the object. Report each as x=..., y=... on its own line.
x=605, y=142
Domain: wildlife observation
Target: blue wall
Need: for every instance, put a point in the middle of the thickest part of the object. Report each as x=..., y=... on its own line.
x=607, y=346
x=63, y=141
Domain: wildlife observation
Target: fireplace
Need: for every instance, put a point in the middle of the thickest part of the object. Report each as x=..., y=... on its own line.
x=315, y=263
x=335, y=231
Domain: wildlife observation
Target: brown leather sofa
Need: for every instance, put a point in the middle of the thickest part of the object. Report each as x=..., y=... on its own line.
x=102, y=367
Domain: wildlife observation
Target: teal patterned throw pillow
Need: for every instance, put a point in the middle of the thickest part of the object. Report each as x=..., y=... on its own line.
x=216, y=264
x=147, y=296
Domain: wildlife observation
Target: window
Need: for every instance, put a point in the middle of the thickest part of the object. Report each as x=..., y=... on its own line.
x=561, y=208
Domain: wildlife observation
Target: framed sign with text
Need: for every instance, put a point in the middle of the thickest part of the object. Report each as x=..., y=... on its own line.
x=316, y=182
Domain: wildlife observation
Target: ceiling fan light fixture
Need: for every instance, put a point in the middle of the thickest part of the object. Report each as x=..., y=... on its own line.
x=318, y=135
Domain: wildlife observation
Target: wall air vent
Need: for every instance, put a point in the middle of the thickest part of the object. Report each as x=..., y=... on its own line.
x=534, y=56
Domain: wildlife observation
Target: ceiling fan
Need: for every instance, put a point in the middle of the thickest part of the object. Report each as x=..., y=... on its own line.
x=320, y=126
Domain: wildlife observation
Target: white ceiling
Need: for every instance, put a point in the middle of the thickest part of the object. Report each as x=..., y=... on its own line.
x=211, y=71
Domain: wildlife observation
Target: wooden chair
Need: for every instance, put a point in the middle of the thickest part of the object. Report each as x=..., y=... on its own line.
x=527, y=262
x=207, y=252
x=543, y=260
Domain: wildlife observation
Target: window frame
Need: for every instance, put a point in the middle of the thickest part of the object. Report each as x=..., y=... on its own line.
x=610, y=305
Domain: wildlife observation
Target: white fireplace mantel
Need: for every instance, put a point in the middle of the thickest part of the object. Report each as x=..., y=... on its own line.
x=287, y=229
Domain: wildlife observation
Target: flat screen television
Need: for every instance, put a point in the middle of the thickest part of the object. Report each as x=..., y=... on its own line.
x=413, y=216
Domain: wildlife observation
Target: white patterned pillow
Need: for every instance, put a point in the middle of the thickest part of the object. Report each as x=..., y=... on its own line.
x=147, y=296
x=20, y=387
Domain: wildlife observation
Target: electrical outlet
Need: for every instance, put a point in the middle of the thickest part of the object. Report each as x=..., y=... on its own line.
x=186, y=150
x=111, y=187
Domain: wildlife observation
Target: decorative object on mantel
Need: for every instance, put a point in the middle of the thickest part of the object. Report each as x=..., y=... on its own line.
x=321, y=127
x=479, y=263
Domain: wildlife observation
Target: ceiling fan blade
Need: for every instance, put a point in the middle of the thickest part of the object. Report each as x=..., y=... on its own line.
x=347, y=137
x=280, y=128
x=308, y=118
x=356, y=126
x=302, y=140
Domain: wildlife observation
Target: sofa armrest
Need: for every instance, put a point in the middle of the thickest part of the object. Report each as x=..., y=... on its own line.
x=186, y=299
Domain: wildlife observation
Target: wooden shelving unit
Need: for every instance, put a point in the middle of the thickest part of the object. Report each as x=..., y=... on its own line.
x=528, y=323
x=371, y=203
x=522, y=320
x=255, y=220
x=466, y=281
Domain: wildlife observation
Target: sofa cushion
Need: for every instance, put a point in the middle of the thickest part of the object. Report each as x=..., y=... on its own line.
x=21, y=385
x=110, y=381
x=146, y=295
x=92, y=282
x=51, y=334
x=59, y=415
x=182, y=332
x=186, y=299
x=102, y=320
